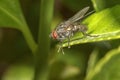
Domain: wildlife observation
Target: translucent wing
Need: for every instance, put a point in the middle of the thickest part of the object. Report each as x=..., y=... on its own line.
x=79, y=15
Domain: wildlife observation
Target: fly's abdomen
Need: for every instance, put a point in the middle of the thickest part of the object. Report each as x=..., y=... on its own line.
x=82, y=28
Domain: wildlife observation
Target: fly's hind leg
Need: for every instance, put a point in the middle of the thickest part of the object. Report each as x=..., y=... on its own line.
x=86, y=34
x=83, y=28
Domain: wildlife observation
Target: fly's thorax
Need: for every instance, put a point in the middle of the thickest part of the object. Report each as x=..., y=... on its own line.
x=62, y=34
x=63, y=24
x=60, y=25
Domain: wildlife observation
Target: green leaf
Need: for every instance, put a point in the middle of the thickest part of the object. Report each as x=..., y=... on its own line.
x=107, y=68
x=92, y=60
x=102, y=4
x=11, y=17
x=105, y=25
x=11, y=14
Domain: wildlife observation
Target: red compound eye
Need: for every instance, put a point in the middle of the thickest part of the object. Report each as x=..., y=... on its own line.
x=54, y=35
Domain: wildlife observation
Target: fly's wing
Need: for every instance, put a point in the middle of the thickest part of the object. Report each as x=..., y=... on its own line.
x=79, y=15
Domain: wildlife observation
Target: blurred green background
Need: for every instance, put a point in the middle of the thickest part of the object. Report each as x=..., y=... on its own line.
x=78, y=62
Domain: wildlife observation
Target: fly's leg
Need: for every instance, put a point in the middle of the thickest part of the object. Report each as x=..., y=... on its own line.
x=85, y=34
x=82, y=28
x=70, y=34
x=68, y=41
x=60, y=47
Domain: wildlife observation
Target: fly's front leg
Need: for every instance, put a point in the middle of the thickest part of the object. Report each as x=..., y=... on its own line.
x=60, y=47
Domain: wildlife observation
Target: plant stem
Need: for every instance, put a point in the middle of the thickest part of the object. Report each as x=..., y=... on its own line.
x=41, y=57
x=29, y=39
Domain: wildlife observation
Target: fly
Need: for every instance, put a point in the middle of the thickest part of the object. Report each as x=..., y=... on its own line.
x=67, y=29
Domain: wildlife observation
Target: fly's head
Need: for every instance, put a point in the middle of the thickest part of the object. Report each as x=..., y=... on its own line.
x=54, y=34
x=58, y=32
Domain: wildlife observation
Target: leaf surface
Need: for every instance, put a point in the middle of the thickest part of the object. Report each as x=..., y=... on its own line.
x=105, y=25
x=107, y=68
x=11, y=15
